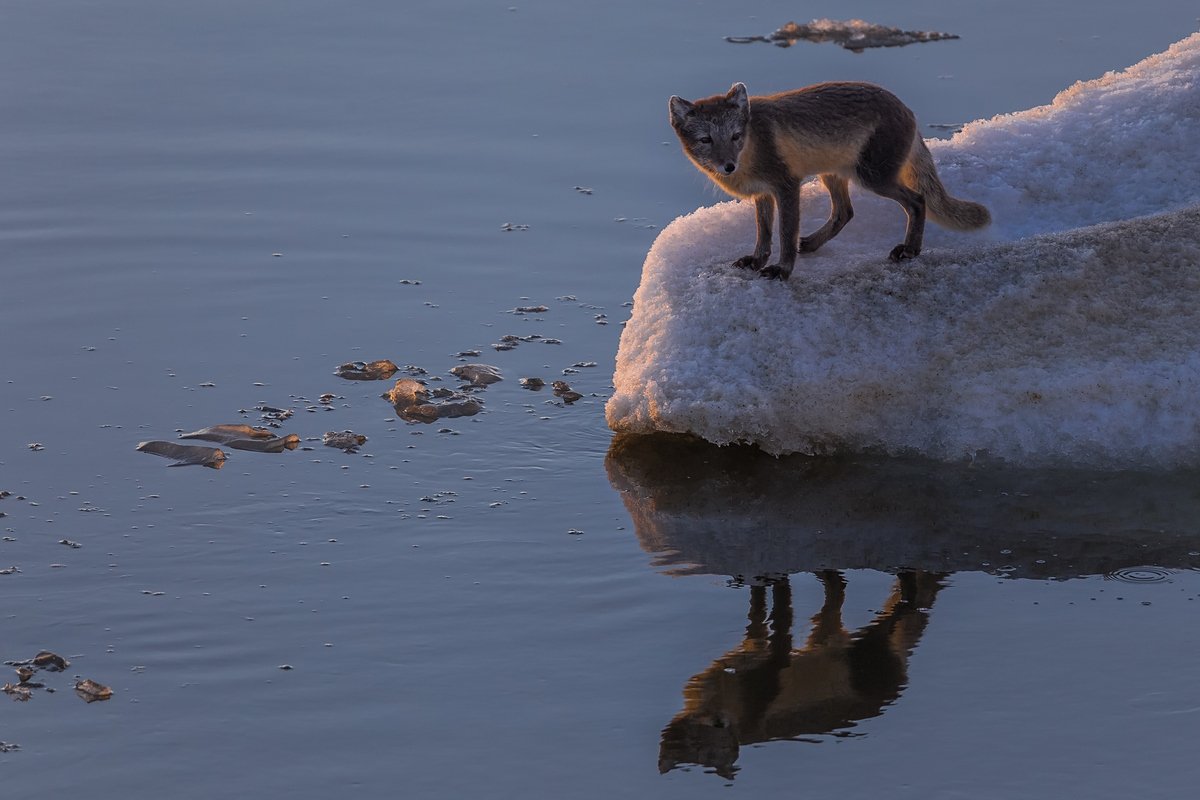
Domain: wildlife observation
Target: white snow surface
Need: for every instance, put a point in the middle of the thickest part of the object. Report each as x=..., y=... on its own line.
x=1066, y=334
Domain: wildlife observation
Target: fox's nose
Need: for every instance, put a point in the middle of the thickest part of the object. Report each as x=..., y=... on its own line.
x=730, y=167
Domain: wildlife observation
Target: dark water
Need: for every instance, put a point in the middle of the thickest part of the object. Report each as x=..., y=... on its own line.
x=510, y=604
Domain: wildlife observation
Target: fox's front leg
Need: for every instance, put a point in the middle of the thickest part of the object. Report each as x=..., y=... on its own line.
x=788, y=199
x=764, y=214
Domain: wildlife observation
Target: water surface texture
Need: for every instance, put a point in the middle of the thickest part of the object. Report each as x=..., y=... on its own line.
x=206, y=209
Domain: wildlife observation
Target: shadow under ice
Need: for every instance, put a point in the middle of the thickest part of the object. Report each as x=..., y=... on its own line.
x=736, y=511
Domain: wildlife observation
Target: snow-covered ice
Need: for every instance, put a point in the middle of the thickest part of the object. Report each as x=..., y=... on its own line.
x=1068, y=333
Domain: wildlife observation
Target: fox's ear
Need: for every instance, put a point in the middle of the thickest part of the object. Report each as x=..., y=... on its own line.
x=680, y=108
x=738, y=97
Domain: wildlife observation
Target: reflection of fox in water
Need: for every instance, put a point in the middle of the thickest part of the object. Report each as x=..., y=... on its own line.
x=763, y=689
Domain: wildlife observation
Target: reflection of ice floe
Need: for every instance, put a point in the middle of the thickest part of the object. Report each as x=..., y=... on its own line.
x=1068, y=334
x=855, y=34
x=739, y=512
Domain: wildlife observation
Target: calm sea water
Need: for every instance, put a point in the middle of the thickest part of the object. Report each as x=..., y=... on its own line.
x=208, y=207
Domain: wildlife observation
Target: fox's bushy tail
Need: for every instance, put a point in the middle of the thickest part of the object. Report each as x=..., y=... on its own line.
x=947, y=211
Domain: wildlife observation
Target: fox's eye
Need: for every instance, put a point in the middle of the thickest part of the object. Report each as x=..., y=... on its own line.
x=706, y=139
x=735, y=137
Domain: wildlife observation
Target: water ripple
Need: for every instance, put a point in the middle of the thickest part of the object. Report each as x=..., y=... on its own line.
x=1140, y=575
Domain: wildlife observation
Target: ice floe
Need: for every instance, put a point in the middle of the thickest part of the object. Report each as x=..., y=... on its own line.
x=855, y=35
x=1066, y=334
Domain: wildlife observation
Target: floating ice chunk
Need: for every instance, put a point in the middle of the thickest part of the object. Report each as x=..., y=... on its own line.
x=411, y=401
x=185, y=454
x=477, y=374
x=1068, y=333
x=344, y=440
x=855, y=35
x=407, y=392
x=245, y=437
x=379, y=370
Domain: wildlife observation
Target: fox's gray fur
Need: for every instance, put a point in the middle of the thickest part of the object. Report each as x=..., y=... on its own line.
x=766, y=147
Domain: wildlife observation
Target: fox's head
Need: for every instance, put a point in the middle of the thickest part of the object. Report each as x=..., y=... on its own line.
x=713, y=130
x=701, y=738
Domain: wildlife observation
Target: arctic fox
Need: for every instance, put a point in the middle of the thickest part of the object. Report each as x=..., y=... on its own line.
x=766, y=147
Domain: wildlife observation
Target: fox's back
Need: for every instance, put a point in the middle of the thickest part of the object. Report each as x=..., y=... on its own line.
x=832, y=106
x=824, y=127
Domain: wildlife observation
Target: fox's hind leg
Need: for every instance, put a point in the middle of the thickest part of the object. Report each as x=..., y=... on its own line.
x=827, y=623
x=840, y=212
x=879, y=166
x=914, y=207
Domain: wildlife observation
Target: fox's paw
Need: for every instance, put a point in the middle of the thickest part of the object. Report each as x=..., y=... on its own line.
x=749, y=262
x=775, y=273
x=902, y=252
